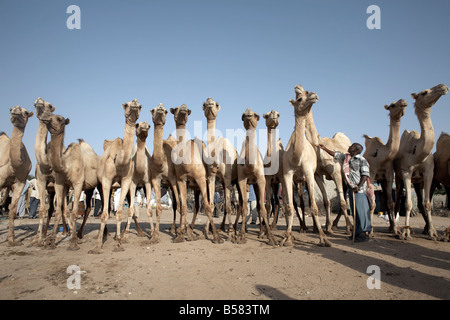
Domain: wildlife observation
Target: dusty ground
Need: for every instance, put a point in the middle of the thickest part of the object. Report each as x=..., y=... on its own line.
x=201, y=270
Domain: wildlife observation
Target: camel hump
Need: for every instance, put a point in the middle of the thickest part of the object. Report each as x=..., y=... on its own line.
x=4, y=148
x=108, y=143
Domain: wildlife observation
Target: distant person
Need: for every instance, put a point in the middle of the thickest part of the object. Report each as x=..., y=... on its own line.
x=97, y=202
x=251, y=205
x=216, y=201
x=356, y=171
x=21, y=205
x=34, y=199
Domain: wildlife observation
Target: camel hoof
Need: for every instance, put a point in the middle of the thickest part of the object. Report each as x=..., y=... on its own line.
x=73, y=248
x=118, y=248
x=178, y=239
x=273, y=242
x=14, y=243
x=217, y=240
x=94, y=251
x=324, y=243
x=334, y=228
x=155, y=239
x=80, y=235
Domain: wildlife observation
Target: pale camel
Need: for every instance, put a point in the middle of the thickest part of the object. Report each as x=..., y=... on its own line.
x=190, y=172
x=414, y=161
x=45, y=178
x=442, y=164
x=273, y=169
x=300, y=163
x=251, y=172
x=140, y=177
x=15, y=164
x=74, y=167
x=381, y=157
x=329, y=168
x=222, y=162
x=115, y=167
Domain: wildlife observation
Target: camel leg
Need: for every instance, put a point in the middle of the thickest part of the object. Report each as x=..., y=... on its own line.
x=181, y=231
x=58, y=201
x=326, y=203
x=341, y=190
x=106, y=189
x=41, y=185
x=73, y=218
x=263, y=213
x=302, y=218
x=242, y=185
x=206, y=204
x=406, y=234
x=430, y=230
x=125, y=188
x=390, y=202
x=17, y=190
x=227, y=211
x=175, y=204
x=155, y=232
x=89, y=194
x=323, y=241
x=288, y=197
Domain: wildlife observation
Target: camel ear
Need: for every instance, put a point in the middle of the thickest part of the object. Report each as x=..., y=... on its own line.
x=386, y=107
x=265, y=115
x=124, y=105
x=166, y=112
x=67, y=121
x=52, y=108
x=242, y=117
x=172, y=110
x=153, y=111
x=414, y=95
x=189, y=111
x=218, y=106
x=30, y=114
x=203, y=107
x=257, y=117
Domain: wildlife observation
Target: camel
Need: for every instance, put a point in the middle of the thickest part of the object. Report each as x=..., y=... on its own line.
x=74, y=167
x=381, y=156
x=140, y=177
x=44, y=174
x=414, y=161
x=273, y=169
x=330, y=169
x=222, y=162
x=15, y=164
x=115, y=164
x=190, y=172
x=442, y=164
x=300, y=163
x=251, y=171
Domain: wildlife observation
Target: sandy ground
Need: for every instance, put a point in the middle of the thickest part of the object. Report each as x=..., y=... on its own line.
x=201, y=270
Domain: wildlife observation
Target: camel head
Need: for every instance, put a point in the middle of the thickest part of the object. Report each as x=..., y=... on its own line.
x=211, y=107
x=396, y=109
x=271, y=119
x=181, y=114
x=41, y=106
x=55, y=123
x=427, y=98
x=159, y=114
x=132, y=110
x=19, y=116
x=304, y=100
x=142, y=129
x=250, y=119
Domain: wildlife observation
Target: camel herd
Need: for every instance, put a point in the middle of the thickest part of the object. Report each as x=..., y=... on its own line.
x=129, y=165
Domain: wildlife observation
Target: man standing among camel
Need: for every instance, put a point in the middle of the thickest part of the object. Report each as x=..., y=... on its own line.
x=356, y=172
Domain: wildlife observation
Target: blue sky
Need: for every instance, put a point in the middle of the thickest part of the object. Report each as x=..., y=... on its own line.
x=241, y=53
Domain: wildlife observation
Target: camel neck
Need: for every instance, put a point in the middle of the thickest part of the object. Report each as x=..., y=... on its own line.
x=181, y=132
x=211, y=130
x=56, y=151
x=15, y=150
x=426, y=135
x=393, y=142
x=299, y=138
x=250, y=147
x=40, y=144
x=127, y=146
x=310, y=130
x=158, y=149
x=141, y=158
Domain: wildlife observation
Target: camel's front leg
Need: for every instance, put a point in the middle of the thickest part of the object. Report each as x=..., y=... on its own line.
x=73, y=218
x=17, y=190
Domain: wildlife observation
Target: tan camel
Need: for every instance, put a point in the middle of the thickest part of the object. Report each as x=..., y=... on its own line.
x=15, y=164
x=300, y=163
x=114, y=168
x=414, y=161
x=381, y=156
x=74, y=167
x=329, y=168
x=273, y=169
x=251, y=171
x=45, y=177
x=222, y=162
x=442, y=164
x=140, y=177
x=190, y=172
